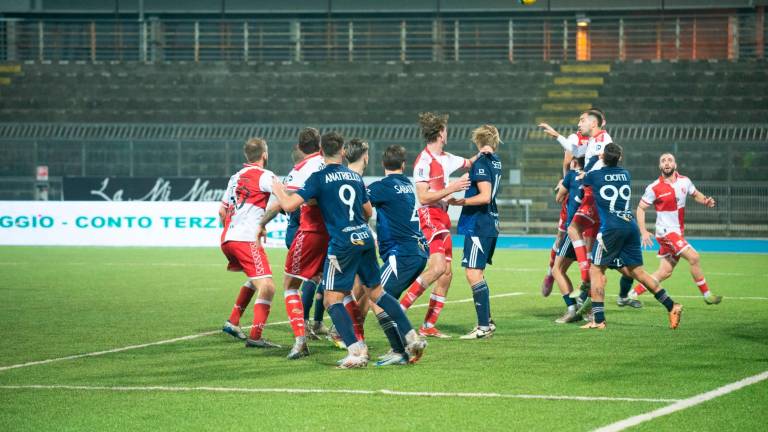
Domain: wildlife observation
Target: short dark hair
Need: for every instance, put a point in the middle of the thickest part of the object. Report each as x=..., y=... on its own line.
x=612, y=154
x=580, y=161
x=394, y=157
x=597, y=115
x=309, y=140
x=602, y=114
x=254, y=148
x=354, y=149
x=332, y=143
x=432, y=124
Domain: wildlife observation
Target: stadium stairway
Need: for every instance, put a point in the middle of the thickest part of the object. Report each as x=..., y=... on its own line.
x=572, y=91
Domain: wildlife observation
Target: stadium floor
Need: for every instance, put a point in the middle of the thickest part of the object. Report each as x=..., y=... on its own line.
x=127, y=338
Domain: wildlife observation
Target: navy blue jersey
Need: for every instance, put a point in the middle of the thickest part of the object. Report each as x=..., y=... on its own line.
x=293, y=225
x=612, y=191
x=340, y=194
x=397, y=223
x=482, y=220
x=573, y=186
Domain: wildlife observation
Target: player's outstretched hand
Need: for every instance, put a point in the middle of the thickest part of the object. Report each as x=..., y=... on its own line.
x=456, y=201
x=646, y=239
x=548, y=130
x=460, y=184
x=710, y=202
x=261, y=235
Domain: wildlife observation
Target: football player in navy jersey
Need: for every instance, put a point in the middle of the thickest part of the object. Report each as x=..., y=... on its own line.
x=571, y=191
x=479, y=223
x=402, y=246
x=618, y=241
x=345, y=207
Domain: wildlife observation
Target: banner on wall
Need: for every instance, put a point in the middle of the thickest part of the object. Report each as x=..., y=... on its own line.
x=123, y=223
x=143, y=188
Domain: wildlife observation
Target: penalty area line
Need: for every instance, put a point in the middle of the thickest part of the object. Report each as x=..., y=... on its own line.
x=333, y=391
x=187, y=338
x=683, y=404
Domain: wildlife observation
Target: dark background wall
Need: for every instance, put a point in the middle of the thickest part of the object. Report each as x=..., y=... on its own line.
x=15, y=7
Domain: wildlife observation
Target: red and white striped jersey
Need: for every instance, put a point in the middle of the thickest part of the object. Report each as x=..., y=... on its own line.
x=245, y=200
x=669, y=201
x=435, y=170
x=311, y=218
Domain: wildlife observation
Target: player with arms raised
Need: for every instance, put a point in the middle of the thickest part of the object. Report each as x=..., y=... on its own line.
x=667, y=195
x=618, y=240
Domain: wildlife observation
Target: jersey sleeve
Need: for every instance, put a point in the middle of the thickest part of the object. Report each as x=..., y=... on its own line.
x=691, y=188
x=454, y=163
x=311, y=188
x=265, y=181
x=570, y=144
x=421, y=170
x=227, y=197
x=294, y=180
x=567, y=180
x=649, y=196
x=480, y=171
x=589, y=179
x=374, y=193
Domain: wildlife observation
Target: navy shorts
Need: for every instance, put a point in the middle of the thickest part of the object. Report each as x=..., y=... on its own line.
x=399, y=272
x=478, y=251
x=341, y=268
x=565, y=248
x=617, y=248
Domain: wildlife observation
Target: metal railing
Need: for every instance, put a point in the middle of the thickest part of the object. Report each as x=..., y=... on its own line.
x=716, y=35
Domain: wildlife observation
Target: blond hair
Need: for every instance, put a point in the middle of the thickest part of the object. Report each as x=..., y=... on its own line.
x=486, y=135
x=254, y=149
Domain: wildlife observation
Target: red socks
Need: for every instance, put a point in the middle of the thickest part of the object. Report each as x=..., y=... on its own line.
x=357, y=320
x=581, y=257
x=702, y=284
x=260, y=314
x=295, y=311
x=414, y=291
x=436, y=304
x=246, y=293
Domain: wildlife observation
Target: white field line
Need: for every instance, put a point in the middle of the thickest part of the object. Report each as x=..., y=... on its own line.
x=334, y=391
x=186, y=338
x=683, y=404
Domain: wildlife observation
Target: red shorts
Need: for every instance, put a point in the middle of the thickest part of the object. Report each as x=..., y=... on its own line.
x=563, y=215
x=587, y=217
x=248, y=258
x=436, y=226
x=306, y=255
x=672, y=245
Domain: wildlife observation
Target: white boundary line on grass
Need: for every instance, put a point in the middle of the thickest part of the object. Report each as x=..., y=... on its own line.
x=336, y=391
x=683, y=404
x=189, y=337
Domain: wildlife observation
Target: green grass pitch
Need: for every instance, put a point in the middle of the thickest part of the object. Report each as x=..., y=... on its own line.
x=57, y=302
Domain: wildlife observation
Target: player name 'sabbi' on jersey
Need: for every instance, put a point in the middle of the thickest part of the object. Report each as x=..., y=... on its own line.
x=402, y=246
x=397, y=220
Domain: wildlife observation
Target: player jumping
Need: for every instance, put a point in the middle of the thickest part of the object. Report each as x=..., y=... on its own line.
x=618, y=240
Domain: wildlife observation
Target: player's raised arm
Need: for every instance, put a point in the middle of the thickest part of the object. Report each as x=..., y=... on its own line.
x=703, y=199
x=289, y=202
x=568, y=144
